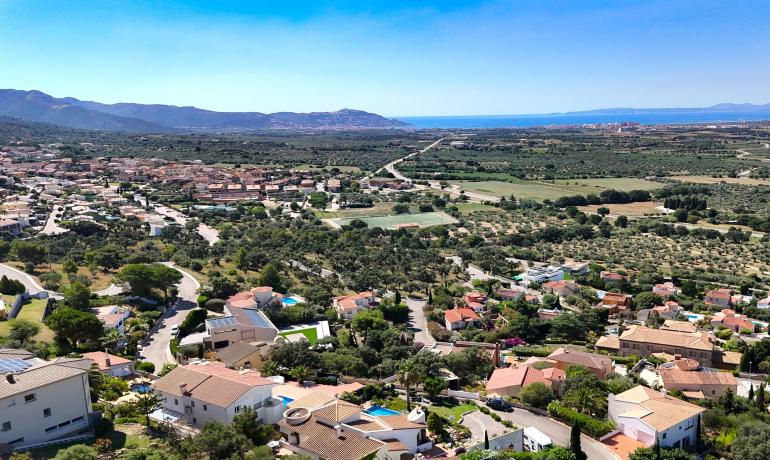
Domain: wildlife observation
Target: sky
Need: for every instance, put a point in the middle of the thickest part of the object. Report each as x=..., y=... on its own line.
x=393, y=57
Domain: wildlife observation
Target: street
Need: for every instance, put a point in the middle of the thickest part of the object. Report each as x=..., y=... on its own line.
x=33, y=287
x=208, y=233
x=51, y=227
x=418, y=321
x=157, y=350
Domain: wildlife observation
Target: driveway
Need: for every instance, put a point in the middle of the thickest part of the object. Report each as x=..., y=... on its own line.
x=157, y=351
x=210, y=234
x=418, y=322
x=558, y=432
x=51, y=227
x=479, y=422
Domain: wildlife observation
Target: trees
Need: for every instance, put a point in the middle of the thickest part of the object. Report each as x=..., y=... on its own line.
x=78, y=295
x=247, y=423
x=138, y=276
x=367, y=320
x=270, y=276
x=574, y=443
x=537, y=394
x=408, y=376
x=586, y=400
x=75, y=326
x=29, y=252
x=165, y=277
x=434, y=386
x=23, y=330
x=752, y=442
x=77, y=452
x=295, y=354
x=11, y=287
x=221, y=442
x=302, y=373
x=147, y=403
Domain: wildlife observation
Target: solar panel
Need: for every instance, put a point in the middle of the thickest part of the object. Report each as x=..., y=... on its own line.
x=13, y=365
x=221, y=322
x=257, y=318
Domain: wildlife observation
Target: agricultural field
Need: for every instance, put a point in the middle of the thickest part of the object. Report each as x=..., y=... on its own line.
x=552, y=190
x=423, y=219
x=32, y=311
x=726, y=180
x=642, y=208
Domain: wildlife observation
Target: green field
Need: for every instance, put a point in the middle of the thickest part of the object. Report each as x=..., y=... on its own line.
x=311, y=333
x=469, y=208
x=423, y=219
x=32, y=311
x=552, y=190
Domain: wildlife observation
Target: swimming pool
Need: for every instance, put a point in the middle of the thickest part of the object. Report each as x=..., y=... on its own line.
x=286, y=400
x=141, y=388
x=292, y=300
x=380, y=411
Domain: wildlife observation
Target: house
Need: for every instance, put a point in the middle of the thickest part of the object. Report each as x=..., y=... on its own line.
x=11, y=226
x=506, y=294
x=609, y=343
x=678, y=326
x=542, y=274
x=599, y=365
x=764, y=303
x=729, y=319
x=548, y=314
x=245, y=355
x=344, y=431
x=475, y=300
x=492, y=350
x=575, y=268
x=113, y=317
x=239, y=325
x=719, y=297
x=651, y=416
x=509, y=381
x=535, y=440
x=612, y=277
x=111, y=365
x=694, y=381
x=258, y=297
x=615, y=303
x=644, y=341
x=42, y=400
x=666, y=289
x=208, y=391
x=460, y=318
x=561, y=288
x=348, y=306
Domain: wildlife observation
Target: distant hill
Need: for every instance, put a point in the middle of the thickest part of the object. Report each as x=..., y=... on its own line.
x=40, y=107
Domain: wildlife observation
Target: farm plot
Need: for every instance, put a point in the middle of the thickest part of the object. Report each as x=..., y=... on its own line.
x=423, y=219
x=552, y=190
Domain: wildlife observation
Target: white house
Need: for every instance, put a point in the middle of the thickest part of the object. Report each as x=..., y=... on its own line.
x=535, y=440
x=42, y=400
x=542, y=274
x=113, y=317
x=112, y=365
x=646, y=415
x=208, y=391
x=348, y=306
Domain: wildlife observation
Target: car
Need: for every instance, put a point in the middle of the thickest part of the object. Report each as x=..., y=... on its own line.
x=499, y=404
x=174, y=330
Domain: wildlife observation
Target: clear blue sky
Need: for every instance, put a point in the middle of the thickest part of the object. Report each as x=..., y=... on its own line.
x=394, y=57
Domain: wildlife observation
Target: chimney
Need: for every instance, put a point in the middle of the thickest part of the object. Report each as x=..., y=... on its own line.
x=677, y=357
x=107, y=359
x=338, y=431
x=183, y=388
x=10, y=379
x=663, y=392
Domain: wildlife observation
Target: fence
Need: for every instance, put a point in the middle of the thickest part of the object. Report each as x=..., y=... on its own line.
x=56, y=442
x=18, y=302
x=463, y=394
x=513, y=440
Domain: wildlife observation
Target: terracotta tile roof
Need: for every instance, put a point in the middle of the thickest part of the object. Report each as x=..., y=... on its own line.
x=100, y=358
x=461, y=314
x=394, y=445
x=674, y=376
x=518, y=376
x=312, y=401
x=662, y=411
x=582, y=358
x=212, y=383
x=38, y=376
x=237, y=351
x=322, y=440
x=337, y=411
x=366, y=425
x=400, y=422
x=689, y=340
x=610, y=342
x=11, y=353
x=679, y=326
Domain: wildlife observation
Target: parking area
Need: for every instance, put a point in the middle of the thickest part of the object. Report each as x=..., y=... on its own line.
x=479, y=422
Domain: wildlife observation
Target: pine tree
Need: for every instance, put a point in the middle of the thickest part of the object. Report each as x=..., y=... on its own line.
x=574, y=442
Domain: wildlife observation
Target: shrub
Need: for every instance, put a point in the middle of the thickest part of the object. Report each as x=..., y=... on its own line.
x=215, y=305
x=537, y=394
x=202, y=299
x=146, y=366
x=590, y=425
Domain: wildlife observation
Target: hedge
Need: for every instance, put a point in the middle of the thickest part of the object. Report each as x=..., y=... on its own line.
x=588, y=424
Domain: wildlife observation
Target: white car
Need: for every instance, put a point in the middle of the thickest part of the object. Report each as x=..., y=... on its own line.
x=174, y=330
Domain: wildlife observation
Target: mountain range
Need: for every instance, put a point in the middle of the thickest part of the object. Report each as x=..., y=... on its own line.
x=148, y=118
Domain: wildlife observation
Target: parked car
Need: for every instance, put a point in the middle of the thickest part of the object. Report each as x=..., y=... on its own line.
x=499, y=404
x=174, y=330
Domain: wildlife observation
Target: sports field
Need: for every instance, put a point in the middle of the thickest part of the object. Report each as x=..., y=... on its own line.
x=423, y=219
x=551, y=190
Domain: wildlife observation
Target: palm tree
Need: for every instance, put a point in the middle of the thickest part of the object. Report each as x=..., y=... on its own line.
x=764, y=366
x=302, y=373
x=111, y=339
x=586, y=400
x=408, y=376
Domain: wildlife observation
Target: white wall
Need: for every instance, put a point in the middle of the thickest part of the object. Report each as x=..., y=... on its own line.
x=68, y=399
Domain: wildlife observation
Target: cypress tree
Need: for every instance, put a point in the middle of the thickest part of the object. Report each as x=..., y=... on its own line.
x=760, y=398
x=486, y=440
x=574, y=442
x=751, y=393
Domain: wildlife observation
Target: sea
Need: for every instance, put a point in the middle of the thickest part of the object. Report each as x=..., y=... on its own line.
x=524, y=121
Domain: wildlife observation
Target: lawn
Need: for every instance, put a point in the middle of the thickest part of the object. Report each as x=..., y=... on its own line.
x=124, y=436
x=311, y=333
x=453, y=412
x=552, y=190
x=469, y=208
x=423, y=219
x=32, y=311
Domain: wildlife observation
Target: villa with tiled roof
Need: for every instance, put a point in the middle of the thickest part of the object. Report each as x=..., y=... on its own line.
x=644, y=341
x=599, y=365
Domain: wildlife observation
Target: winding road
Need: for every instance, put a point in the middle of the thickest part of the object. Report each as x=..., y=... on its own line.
x=33, y=287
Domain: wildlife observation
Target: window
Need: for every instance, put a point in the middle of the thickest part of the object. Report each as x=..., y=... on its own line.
x=205, y=407
x=29, y=398
x=78, y=419
x=237, y=409
x=192, y=403
x=47, y=412
x=51, y=428
x=16, y=441
x=664, y=436
x=195, y=421
x=176, y=402
x=63, y=424
x=6, y=426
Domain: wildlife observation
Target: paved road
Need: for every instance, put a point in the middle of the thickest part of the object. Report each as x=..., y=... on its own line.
x=418, y=321
x=33, y=287
x=558, y=432
x=51, y=227
x=391, y=167
x=157, y=351
x=210, y=234
x=112, y=289
x=479, y=422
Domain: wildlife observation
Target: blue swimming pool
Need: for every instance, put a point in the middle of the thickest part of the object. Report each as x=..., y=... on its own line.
x=286, y=400
x=141, y=388
x=292, y=300
x=380, y=411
